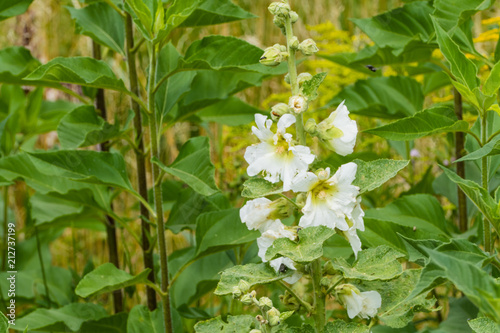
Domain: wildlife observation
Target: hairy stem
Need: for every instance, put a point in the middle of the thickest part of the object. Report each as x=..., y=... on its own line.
x=292, y=74
x=319, y=298
x=140, y=160
x=155, y=152
x=112, y=242
x=459, y=149
x=484, y=181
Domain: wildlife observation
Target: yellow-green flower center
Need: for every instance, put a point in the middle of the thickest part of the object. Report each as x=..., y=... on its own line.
x=322, y=190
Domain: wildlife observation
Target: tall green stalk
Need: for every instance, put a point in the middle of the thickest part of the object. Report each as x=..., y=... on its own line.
x=459, y=149
x=484, y=181
x=160, y=224
x=319, y=298
x=140, y=158
x=112, y=242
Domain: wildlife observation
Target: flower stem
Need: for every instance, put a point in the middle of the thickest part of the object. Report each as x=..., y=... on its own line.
x=305, y=304
x=140, y=162
x=484, y=181
x=319, y=298
x=155, y=152
x=292, y=74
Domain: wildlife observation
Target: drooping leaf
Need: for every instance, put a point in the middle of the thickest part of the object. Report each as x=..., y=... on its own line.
x=215, y=12
x=373, y=174
x=340, y=326
x=82, y=127
x=10, y=8
x=306, y=249
x=241, y=323
x=378, y=263
x=107, y=278
x=463, y=69
x=451, y=13
x=140, y=319
x=384, y=97
x=258, y=187
x=427, y=122
x=232, y=112
x=309, y=88
x=101, y=23
x=212, y=235
x=193, y=166
x=113, y=324
x=68, y=318
x=78, y=70
x=253, y=274
x=479, y=196
x=484, y=325
x=491, y=148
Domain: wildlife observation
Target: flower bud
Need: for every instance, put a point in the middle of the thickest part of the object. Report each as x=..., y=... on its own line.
x=260, y=319
x=294, y=43
x=346, y=289
x=273, y=56
x=278, y=110
x=303, y=77
x=322, y=174
x=308, y=47
x=310, y=126
x=244, y=286
x=281, y=209
x=246, y=299
x=301, y=199
x=265, y=302
x=279, y=9
x=274, y=317
x=298, y=104
x=236, y=292
x=294, y=16
x=279, y=22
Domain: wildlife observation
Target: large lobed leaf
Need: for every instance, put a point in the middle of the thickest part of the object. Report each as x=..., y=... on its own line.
x=427, y=122
x=107, y=278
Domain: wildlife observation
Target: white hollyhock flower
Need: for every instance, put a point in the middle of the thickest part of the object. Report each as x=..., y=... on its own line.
x=330, y=200
x=255, y=214
x=338, y=131
x=277, y=230
x=275, y=155
x=298, y=104
x=363, y=304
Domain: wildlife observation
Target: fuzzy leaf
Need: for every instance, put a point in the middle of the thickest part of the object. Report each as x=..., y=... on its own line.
x=427, y=122
x=253, y=274
x=308, y=247
x=484, y=325
x=378, y=263
x=373, y=174
x=107, y=278
x=258, y=187
x=310, y=88
x=340, y=326
x=241, y=323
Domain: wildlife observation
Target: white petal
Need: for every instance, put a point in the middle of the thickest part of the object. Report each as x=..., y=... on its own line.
x=263, y=129
x=354, y=304
x=304, y=181
x=285, y=121
x=255, y=213
x=372, y=301
x=345, y=174
x=294, y=278
x=354, y=240
x=303, y=153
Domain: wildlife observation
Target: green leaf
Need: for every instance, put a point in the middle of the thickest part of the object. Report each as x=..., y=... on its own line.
x=493, y=81
x=140, y=320
x=258, y=187
x=15, y=63
x=86, y=166
x=218, y=52
x=451, y=13
x=112, y=324
x=378, y=263
x=101, y=23
x=384, y=97
x=10, y=8
x=232, y=112
x=479, y=286
x=479, y=196
x=215, y=12
x=144, y=12
x=253, y=274
x=484, y=325
x=340, y=326
x=309, y=89
x=82, y=127
x=241, y=323
x=68, y=318
x=84, y=71
x=308, y=248
x=4, y=323
x=463, y=69
x=491, y=148
x=373, y=174
x=212, y=235
x=107, y=278
x=397, y=308
x=193, y=166
x=427, y=122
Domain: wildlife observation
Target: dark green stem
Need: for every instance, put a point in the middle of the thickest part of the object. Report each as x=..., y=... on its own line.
x=155, y=152
x=319, y=298
x=140, y=162
x=110, y=225
x=42, y=267
x=459, y=150
x=484, y=181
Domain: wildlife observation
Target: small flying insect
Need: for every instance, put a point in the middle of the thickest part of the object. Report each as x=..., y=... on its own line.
x=283, y=268
x=372, y=68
